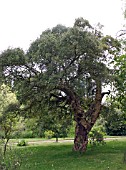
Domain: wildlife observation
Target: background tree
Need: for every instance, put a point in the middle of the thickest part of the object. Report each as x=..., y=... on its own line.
x=8, y=114
x=114, y=118
x=120, y=83
x=120, y=80
x=66, y=65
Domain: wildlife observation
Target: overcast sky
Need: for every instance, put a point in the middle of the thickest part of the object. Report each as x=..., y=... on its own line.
x=22, y=21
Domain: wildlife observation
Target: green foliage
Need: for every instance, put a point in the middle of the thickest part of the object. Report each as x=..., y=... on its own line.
x=26, y=128
x=56, y=120
x=115, y=118
x=96, y=136
x=48, y=134
x=15, y=56
x=22, y=143
x=116, y=125
x=71, y=132
x=27, y=134
x=8, y=114
x=120, y=80
x=73, y=56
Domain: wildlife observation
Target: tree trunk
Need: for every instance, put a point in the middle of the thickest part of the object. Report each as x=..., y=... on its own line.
x=56, y=139
x=82, y=127
x=81, y=138
x=5, y=146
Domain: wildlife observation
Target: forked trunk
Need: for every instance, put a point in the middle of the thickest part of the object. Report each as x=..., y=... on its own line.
x=84, y=120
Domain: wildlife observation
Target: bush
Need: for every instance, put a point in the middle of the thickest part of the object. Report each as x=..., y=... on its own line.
x=22, y=143
x=48, y=134
x=96, y=136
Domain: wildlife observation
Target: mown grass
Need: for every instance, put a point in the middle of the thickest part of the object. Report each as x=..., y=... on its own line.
x=61, y=157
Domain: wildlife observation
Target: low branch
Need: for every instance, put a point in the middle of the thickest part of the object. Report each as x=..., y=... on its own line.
x=104, y=93
x=58, y=99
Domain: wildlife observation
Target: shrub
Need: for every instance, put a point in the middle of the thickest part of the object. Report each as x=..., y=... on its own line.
x=96, y=136
x=48, y=134
x=22, y=143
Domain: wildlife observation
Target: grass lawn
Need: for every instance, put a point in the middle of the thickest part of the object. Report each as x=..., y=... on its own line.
x=59, y=156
